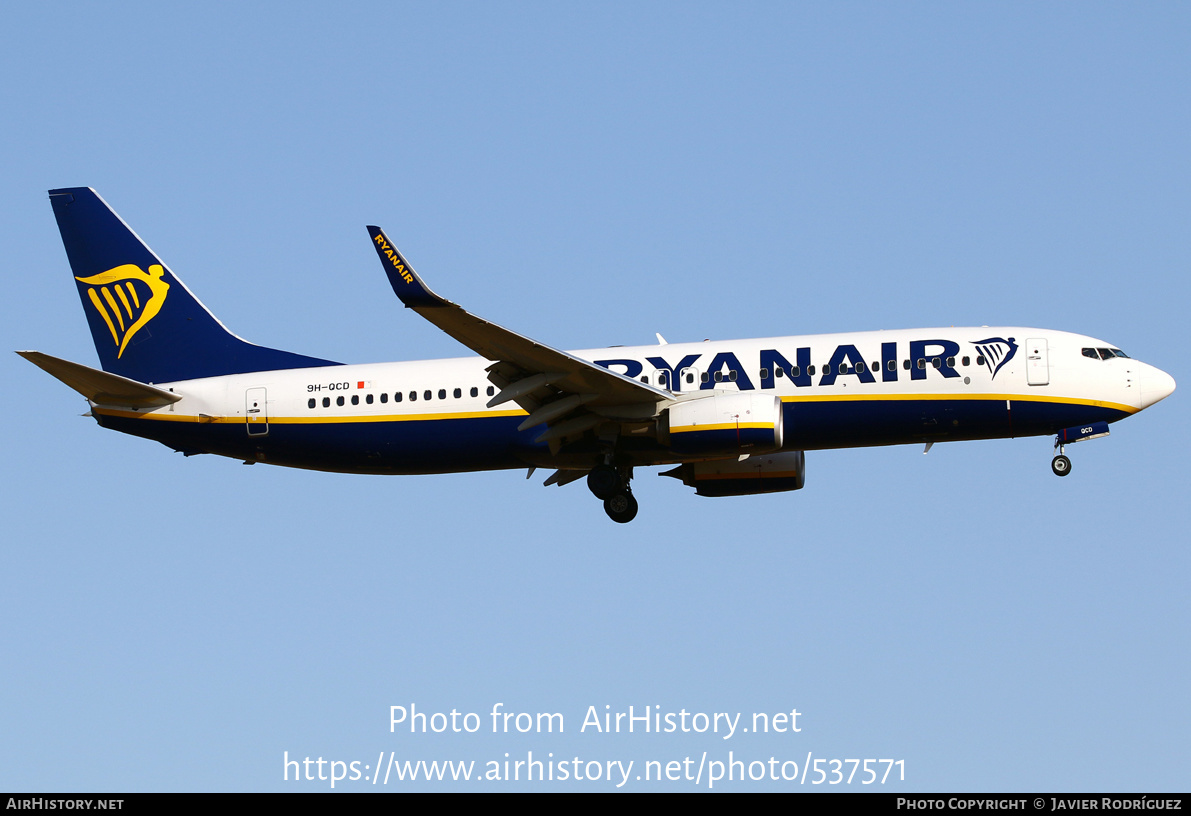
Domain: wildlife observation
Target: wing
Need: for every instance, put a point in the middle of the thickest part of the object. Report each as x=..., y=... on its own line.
x=569, y=394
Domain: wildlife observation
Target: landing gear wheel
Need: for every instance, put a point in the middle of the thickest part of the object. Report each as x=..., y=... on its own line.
x=604, y=482
x=1061, y=465
x=621, y=507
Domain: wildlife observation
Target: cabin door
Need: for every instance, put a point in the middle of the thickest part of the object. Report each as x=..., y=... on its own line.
x=1037, y=362
x=256, y=415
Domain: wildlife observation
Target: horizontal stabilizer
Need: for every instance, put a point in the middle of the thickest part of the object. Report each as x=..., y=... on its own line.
x=99, y=386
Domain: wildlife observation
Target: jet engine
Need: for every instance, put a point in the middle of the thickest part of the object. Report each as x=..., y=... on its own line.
x=723, y=425
x=765, y=473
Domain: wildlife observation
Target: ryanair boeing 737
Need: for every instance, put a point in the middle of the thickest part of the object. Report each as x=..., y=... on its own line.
x=732, y=417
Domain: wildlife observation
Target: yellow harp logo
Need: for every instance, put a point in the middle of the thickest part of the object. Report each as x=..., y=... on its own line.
x=127, y=298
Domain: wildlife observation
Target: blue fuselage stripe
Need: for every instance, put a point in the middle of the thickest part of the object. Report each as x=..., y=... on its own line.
x=493, y=443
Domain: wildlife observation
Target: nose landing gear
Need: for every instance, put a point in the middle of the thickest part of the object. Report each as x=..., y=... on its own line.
x=1061, y=465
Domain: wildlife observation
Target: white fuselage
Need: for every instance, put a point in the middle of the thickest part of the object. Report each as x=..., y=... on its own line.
x=837, y=390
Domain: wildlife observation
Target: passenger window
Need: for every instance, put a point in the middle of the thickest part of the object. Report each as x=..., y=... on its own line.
x=979, y=359
x=397, y=396
x=690, y=378
x=951, y=362
x=475, y=392
x=703, y=377
x=339, y=401
x=368, y=399
x=355, y=399
x=326, y=402
x=427, y=394
x=384, y=398
x=795, y=371
x=457, y=393
x=810, y=370
x=645, y=380
x=891, y=365
x=490, y=391
x=936, y=362
x=719, y=376
x=906, y=365
x=843, y=368
x=310, y=402
x=413, y=396
x=922, y=362
x=442, y=393
x=966, y=361
x=732, y=375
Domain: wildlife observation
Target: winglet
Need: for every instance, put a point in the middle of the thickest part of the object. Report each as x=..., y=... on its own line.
x=402, y=277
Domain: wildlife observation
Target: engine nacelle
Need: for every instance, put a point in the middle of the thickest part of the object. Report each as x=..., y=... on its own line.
x=723, y=425
x=765, y=473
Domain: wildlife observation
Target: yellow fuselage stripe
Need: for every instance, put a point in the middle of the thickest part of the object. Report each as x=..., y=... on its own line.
x=283, y=420
x=1129, y=409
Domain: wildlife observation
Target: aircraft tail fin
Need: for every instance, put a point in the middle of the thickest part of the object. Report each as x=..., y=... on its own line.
x=147, y=326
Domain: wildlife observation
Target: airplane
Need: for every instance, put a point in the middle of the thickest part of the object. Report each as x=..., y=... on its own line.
x=730, y=418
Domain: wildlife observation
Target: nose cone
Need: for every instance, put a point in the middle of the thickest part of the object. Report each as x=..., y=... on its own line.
x=1156, y=385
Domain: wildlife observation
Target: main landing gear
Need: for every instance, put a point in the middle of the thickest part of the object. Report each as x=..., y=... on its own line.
x=612, y=486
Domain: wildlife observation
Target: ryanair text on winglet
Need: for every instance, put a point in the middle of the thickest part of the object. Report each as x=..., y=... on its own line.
x=394, y=258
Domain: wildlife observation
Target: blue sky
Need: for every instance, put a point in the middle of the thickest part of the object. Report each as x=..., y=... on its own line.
x=589, y=175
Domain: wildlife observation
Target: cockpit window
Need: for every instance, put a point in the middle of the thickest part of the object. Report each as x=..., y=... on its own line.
x=1103, y=353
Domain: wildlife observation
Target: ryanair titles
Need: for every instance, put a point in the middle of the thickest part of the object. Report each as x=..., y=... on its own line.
x=938, y=355
x=389, y=251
